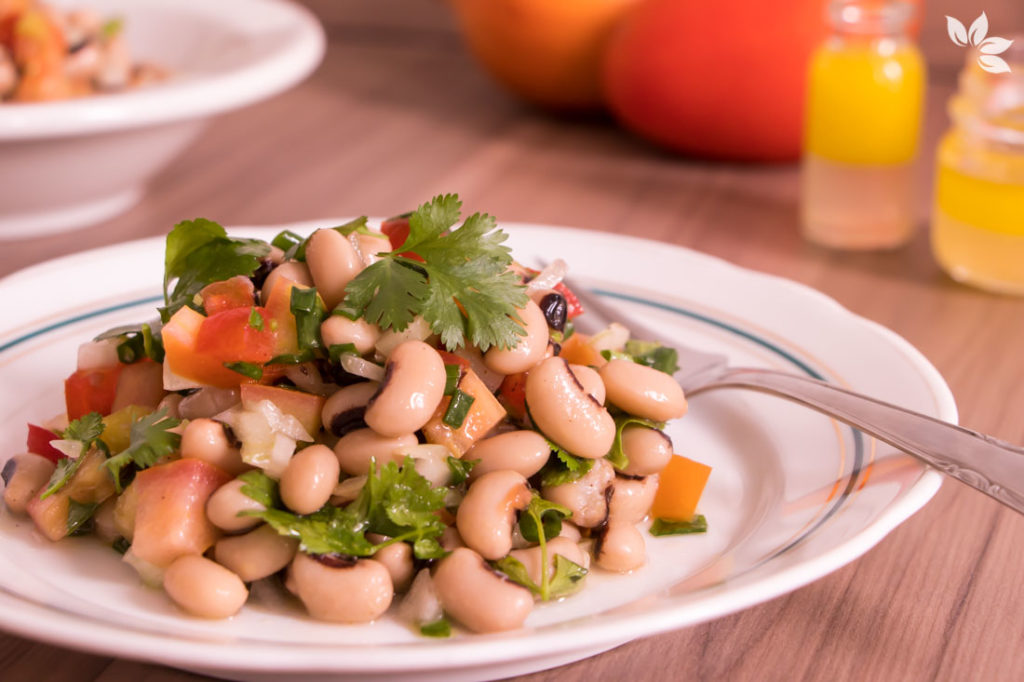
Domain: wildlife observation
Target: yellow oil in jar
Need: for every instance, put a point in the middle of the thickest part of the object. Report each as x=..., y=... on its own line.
x=978, y=218
x=863, y=124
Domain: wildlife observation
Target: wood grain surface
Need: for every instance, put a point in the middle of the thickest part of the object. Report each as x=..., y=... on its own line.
x=398, y=112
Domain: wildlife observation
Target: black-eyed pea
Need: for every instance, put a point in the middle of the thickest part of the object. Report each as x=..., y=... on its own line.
x=643, y=391
x=257, y=554
x=333, y=263
x=24, y=475
x=528, y=351
x=207, y=440
x=397, y=558
x=631, y=498
x=356, y=448
x=338, y=330
x=370, y=246
x=204, y=588
x=648, y=450
x=525, y=452
x=293, y=270
x=620, y=547
x=412, y=389
x=450, y=539
x=566, y=413
x=487, y=514
x=227, y=502
x=339, y=590
x=309, y=479
x=478, y=597
x=344, y=410
x=590, y=380
x=586, y=496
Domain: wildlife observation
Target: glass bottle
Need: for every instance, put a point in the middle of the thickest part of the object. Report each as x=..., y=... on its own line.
x=978, y=216
x=864, y=108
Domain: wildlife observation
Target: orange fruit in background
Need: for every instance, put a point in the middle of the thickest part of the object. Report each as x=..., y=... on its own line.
x=547, y=51
x=723, y=79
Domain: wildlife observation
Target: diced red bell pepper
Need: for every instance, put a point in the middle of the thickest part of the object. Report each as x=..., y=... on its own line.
x=512, y=394
x=91, y=390
x=573, y=307
x=38, y=443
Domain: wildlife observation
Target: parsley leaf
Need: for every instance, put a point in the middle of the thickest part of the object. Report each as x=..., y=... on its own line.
x=331, y=530
x=460, y=469
x=151, y=440
x=617, y=455
x=542, y=516
x=462, y=287
x=260, y=487
x=199, y=252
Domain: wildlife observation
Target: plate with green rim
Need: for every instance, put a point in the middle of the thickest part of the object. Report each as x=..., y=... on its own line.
x=793, y=495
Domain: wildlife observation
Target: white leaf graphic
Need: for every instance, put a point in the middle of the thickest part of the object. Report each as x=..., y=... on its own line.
x=957, y=31
x=993, y=64
x=994, y=45
x=979, y=29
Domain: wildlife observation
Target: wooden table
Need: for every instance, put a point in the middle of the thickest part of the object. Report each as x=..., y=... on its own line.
x=398, y=112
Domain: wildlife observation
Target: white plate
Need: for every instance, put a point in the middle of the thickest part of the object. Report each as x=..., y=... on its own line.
x=792, y=495
x=73, y=162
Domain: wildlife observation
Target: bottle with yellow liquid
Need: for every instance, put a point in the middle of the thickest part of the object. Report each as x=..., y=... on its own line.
x=864, y=108
x=978, y=217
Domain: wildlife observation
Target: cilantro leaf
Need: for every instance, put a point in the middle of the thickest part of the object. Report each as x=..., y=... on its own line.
x=79, y=514
x=617, y=455
x=439, y=628
x=698, y=524
x=331, y=530
x=653, y=354
x=151, y=440
x=461, y=286
x=261, y=488
x=568, y=577
x=395, y=501
x=86, y=429
x=515, y=571
x=542, y=516
x=460, y=469
x=563, y=467
x=199, y=252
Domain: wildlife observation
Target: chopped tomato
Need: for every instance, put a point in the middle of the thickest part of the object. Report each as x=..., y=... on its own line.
x=680, y=486
x=453, y=359
x=397, y=231
x=512, y=394
x=38, y=443
x=237, y=292
x=91, y=390
x=230, y=336
x=183, y=359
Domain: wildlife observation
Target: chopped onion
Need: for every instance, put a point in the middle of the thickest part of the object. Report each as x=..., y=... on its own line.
x=353, y=364
x=348, y=490
x=98, y=354
x=550, y=276
x=307, y=377
x=151, y=574
x=72, y=449
x=418, y=330
x=492, y=380
x=268, y=435
x=207, y=401
x=421, y=605
x=176, y=382
x=614, y=337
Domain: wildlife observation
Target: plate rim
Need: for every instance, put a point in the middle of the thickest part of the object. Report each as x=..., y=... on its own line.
x=484, y=649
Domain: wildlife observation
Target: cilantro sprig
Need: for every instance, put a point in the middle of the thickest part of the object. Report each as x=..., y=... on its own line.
x=461, y=287
x=150, y=440
x=199, y=252
x=395, y=501
x=87, y=430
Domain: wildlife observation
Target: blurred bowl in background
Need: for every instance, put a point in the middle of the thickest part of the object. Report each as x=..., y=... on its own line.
x=71, y=163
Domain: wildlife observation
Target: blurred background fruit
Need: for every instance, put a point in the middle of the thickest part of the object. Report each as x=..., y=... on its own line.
x=721, y=79
x=547, y=51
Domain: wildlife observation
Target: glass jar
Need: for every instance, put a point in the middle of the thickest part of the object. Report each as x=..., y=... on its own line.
x=864, y=108
x=978, y=216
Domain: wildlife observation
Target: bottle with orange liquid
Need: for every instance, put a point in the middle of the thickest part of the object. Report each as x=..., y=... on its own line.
x=978, y=216
x=864, y=107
